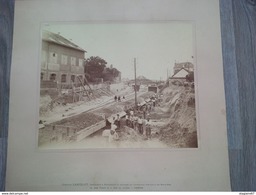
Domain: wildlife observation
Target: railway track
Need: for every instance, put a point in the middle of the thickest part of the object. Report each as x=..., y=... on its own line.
x=93, y=108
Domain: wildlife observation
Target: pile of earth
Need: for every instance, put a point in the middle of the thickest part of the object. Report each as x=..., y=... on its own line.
x=180, y=129
x=130, y=134
x=108, y=111
x=77, y=123
x=51, y=100
x=80, y=121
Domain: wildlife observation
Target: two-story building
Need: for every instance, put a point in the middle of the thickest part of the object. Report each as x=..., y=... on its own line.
x=62, y=61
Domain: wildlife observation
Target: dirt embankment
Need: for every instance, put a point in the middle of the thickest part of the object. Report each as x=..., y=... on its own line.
x=180, y=127
x=52, y=101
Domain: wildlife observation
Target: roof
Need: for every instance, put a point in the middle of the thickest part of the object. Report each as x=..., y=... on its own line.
x=60, y=40
x=183, y=65
x=182, y=73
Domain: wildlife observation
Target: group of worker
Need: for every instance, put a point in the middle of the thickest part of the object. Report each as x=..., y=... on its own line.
x=139, y=124
x=140, y=121
x=118, y=98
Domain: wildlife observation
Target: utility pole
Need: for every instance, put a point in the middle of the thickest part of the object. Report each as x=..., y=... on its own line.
x=135, y=85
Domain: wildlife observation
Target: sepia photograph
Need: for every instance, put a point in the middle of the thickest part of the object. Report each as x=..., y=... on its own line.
x=117, y=96
x=118, y=85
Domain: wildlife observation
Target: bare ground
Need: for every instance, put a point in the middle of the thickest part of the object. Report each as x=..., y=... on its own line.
x=173, y=124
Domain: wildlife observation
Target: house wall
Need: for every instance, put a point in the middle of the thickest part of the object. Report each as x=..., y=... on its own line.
x=60, y=60
x=177, y=81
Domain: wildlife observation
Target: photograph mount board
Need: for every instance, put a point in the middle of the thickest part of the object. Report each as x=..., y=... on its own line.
x=202, y=169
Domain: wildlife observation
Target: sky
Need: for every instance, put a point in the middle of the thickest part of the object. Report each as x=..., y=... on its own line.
x=156, y=46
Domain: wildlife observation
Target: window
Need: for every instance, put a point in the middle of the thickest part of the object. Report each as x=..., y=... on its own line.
x=81, y=62
x=73, y=61
x=63, y=78
x=64, y=59
x=42, y=76
x=53, y=57
x=53, y=77
x=73, y=78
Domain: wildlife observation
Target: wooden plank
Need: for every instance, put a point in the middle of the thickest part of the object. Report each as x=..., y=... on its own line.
x=239, y=54
x=90, y=130
x=6, y=32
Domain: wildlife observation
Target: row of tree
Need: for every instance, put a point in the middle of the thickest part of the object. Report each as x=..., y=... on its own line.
x=96, y=69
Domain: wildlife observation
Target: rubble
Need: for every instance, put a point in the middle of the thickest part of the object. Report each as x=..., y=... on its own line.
x=173, y=119
x=180, y=130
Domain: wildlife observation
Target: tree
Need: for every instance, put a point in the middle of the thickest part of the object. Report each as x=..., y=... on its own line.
x=109, y=74
x=94, y=67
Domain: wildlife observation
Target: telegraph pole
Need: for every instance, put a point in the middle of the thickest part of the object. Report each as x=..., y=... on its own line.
x=135, y=85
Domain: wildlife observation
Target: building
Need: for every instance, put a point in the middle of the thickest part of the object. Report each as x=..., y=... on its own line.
x=62, y=61
x=179, y=77
x=185, y=65
x=153, y=89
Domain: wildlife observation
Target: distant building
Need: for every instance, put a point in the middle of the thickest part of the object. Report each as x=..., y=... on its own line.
x=185, y=65
x=153, y=89
x=179, y=76
x=62, y=61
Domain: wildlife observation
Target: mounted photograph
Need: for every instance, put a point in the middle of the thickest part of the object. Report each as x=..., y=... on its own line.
x=118, y=85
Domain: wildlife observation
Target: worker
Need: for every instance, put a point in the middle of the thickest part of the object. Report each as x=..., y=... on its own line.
x=127, y=120
x=140, y=125
x=118, y=122
x=113, y=126
x=113, y=136
x=148, y=128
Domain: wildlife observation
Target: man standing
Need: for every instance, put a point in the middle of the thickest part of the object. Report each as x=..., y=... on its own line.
x=140, y=125
x=148, y=128
x=118, y=122
x=113, y=136
x=135, y=121
x=144, y=111
x=131, y=121
x=113, y=126
x=127, y=120
x=131, y=112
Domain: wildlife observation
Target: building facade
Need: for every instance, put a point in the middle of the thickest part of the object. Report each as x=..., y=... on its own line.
x=181, y=71
x=61, y=60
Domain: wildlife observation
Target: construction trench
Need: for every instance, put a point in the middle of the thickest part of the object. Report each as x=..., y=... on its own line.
x=173, y=121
